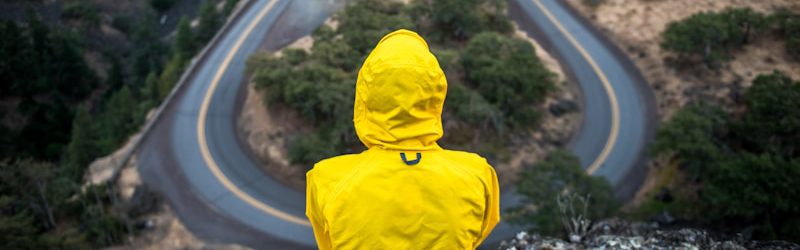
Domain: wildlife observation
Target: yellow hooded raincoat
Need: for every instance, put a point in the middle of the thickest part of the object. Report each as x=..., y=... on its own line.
x=404, y=192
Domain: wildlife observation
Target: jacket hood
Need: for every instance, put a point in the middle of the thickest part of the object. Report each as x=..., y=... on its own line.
x=399, y=96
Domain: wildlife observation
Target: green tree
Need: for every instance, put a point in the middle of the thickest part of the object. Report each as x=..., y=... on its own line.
x=16, y=54
x=509, y=75
x=170, y=76
x=150, y=52
x=184, y=43
x=754, y=190
x=47, y=132
x=542, y=185
x=772, y=120
x=150, y=89
x=712, y=35
x=30, y=181
x=743, y=23
x=364, y=22
x=336, y=53
x=83, y=11
x=82, y=148
x=228, y=7
x=789, y=27
x=469, y=106
x=116, y=76
x=210, y=21
x=310, y=148
x=460, y=19
x=745, y=167
x=17, y=229
x=694, y=135
x=102, y=228
x=118, y=120
x=38, y=208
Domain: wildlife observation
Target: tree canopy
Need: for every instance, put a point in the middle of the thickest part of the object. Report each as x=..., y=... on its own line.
x=789, y=27
x=59, y=114
x=746, y=166
x=460, y=20
x=711, y=36
x=508, y=74
x=46, y=70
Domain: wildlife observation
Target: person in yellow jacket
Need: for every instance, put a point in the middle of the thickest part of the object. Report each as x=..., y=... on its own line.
x=404, y=191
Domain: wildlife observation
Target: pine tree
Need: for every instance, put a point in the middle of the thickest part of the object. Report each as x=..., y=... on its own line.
x=210, y=21
x=81, y=149
x=170, y=76
x=116, y=77
x=228, y=8
x=17, y=229
x=150, y=90
x=184, y=45
x=118, y=119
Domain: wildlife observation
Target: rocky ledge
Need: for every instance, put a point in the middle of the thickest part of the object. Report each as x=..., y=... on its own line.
x=618, y=234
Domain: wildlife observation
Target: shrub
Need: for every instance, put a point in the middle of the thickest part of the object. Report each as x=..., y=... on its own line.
x=542, y=186
x=509, y=75
x=209, y=22
x=364, y=22
x=461, y=20
x=712, y=35
x=789, y=24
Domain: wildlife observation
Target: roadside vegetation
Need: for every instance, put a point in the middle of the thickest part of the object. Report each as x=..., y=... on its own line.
x=60, y=111
x=732, y=168
x=721, y=159
x=739, y=169
x=713, y=37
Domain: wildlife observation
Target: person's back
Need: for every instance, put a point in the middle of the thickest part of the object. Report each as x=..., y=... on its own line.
x=404, y=192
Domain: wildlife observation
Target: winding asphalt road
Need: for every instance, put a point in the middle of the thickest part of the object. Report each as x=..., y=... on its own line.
x=192, y=155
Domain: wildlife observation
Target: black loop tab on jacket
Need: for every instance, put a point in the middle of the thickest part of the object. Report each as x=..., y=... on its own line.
x=412, y=162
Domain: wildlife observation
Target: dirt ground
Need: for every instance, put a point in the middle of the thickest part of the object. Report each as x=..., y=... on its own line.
x=165, y=230
x=636, y=27
x=266, y=131
x=266, y=128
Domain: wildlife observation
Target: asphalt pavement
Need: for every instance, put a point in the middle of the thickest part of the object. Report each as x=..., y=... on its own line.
x=216, y=187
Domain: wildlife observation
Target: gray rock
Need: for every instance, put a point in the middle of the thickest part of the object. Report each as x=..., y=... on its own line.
x=619, y=234
x=562, y=106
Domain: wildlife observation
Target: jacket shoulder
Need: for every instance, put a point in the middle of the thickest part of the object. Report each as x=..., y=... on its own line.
x=334, y=166
x=472, y=161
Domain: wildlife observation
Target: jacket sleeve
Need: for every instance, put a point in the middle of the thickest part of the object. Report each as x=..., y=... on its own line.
x=315, y=215
x=492, y=214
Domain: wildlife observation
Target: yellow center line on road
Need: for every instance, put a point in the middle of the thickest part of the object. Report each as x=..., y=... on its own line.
x=201, y=129
x=612, y=96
